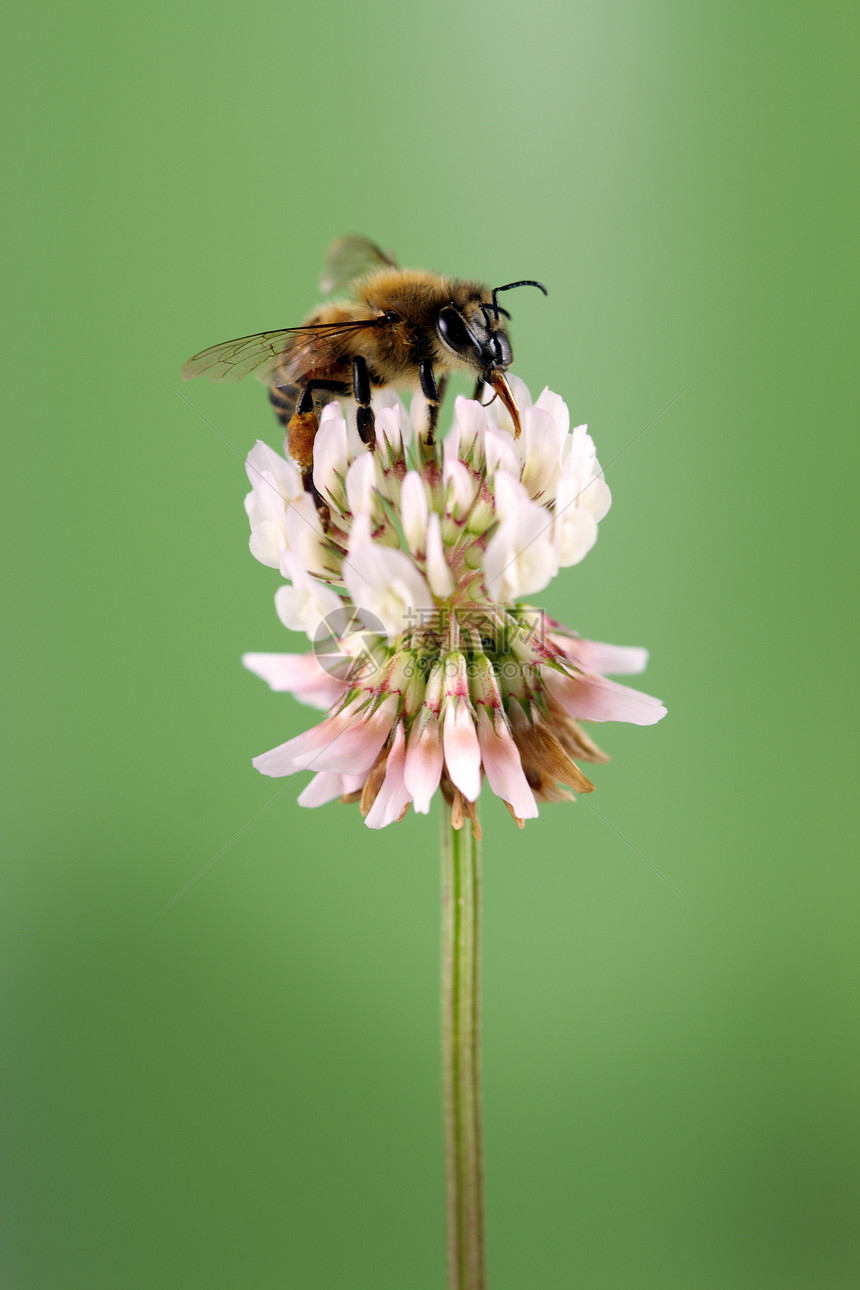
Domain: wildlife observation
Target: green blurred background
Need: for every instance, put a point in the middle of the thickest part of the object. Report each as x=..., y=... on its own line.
x=239, y=1088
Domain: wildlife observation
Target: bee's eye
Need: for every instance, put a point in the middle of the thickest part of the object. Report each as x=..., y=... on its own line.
x=455, y=333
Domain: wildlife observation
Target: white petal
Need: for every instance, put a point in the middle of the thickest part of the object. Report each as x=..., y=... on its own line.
x=413, y=509
x=361, y=483
x=392, y=425
x=520, y=558
x=305, y=537
x=275, y=486
x=303, y=606
x=501, y=452
x=596, y=497
x=386, y=588
x=460, y=488
x=581, y=483
x=511, y=496
x=263, y=460
x=575, y=533
x=354, y=446
x=330, y=454
x=267, y=500
x=540, y=446
x=360, y=533
x=555, y=405
x=465, y=440
x=267, y=543
x=439, y=574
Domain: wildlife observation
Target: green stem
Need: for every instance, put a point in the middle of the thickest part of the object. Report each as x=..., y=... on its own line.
x=461, y=1067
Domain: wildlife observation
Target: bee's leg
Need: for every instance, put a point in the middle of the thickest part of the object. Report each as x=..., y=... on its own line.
x=364, y=417
x=430, y=390
x=301, y=433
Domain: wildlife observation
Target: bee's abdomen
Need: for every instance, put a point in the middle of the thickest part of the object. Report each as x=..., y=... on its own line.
x=283, y=399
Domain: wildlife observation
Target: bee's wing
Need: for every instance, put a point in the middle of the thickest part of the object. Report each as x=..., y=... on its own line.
x=349, y=258
x=292, y=352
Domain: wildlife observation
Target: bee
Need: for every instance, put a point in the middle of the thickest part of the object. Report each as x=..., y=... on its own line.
x=402, y=327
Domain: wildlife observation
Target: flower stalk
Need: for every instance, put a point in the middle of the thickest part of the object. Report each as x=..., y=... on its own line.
x=461, y=1065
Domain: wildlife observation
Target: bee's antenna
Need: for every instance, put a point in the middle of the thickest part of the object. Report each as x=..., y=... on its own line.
x=526, y=282
x=494, y=310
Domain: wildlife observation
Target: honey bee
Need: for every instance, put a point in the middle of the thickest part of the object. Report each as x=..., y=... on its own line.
x=402, y=327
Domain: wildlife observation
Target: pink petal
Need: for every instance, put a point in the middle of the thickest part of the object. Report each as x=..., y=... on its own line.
x=462, y=752
x=423, y=768
x=595, y=656
x=328, y=785
x=322, y=788
x=503, y=767
x=347, y=742
x=299, y=673
x=596, y=699
x=393, y=796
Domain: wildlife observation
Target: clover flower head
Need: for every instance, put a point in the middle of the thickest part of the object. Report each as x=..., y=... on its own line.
x=412, y=571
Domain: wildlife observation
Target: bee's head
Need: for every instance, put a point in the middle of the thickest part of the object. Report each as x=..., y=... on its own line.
x=474, y=333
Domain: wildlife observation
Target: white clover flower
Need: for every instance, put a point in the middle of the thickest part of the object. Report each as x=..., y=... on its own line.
x=275, y=488
x=435, y=671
